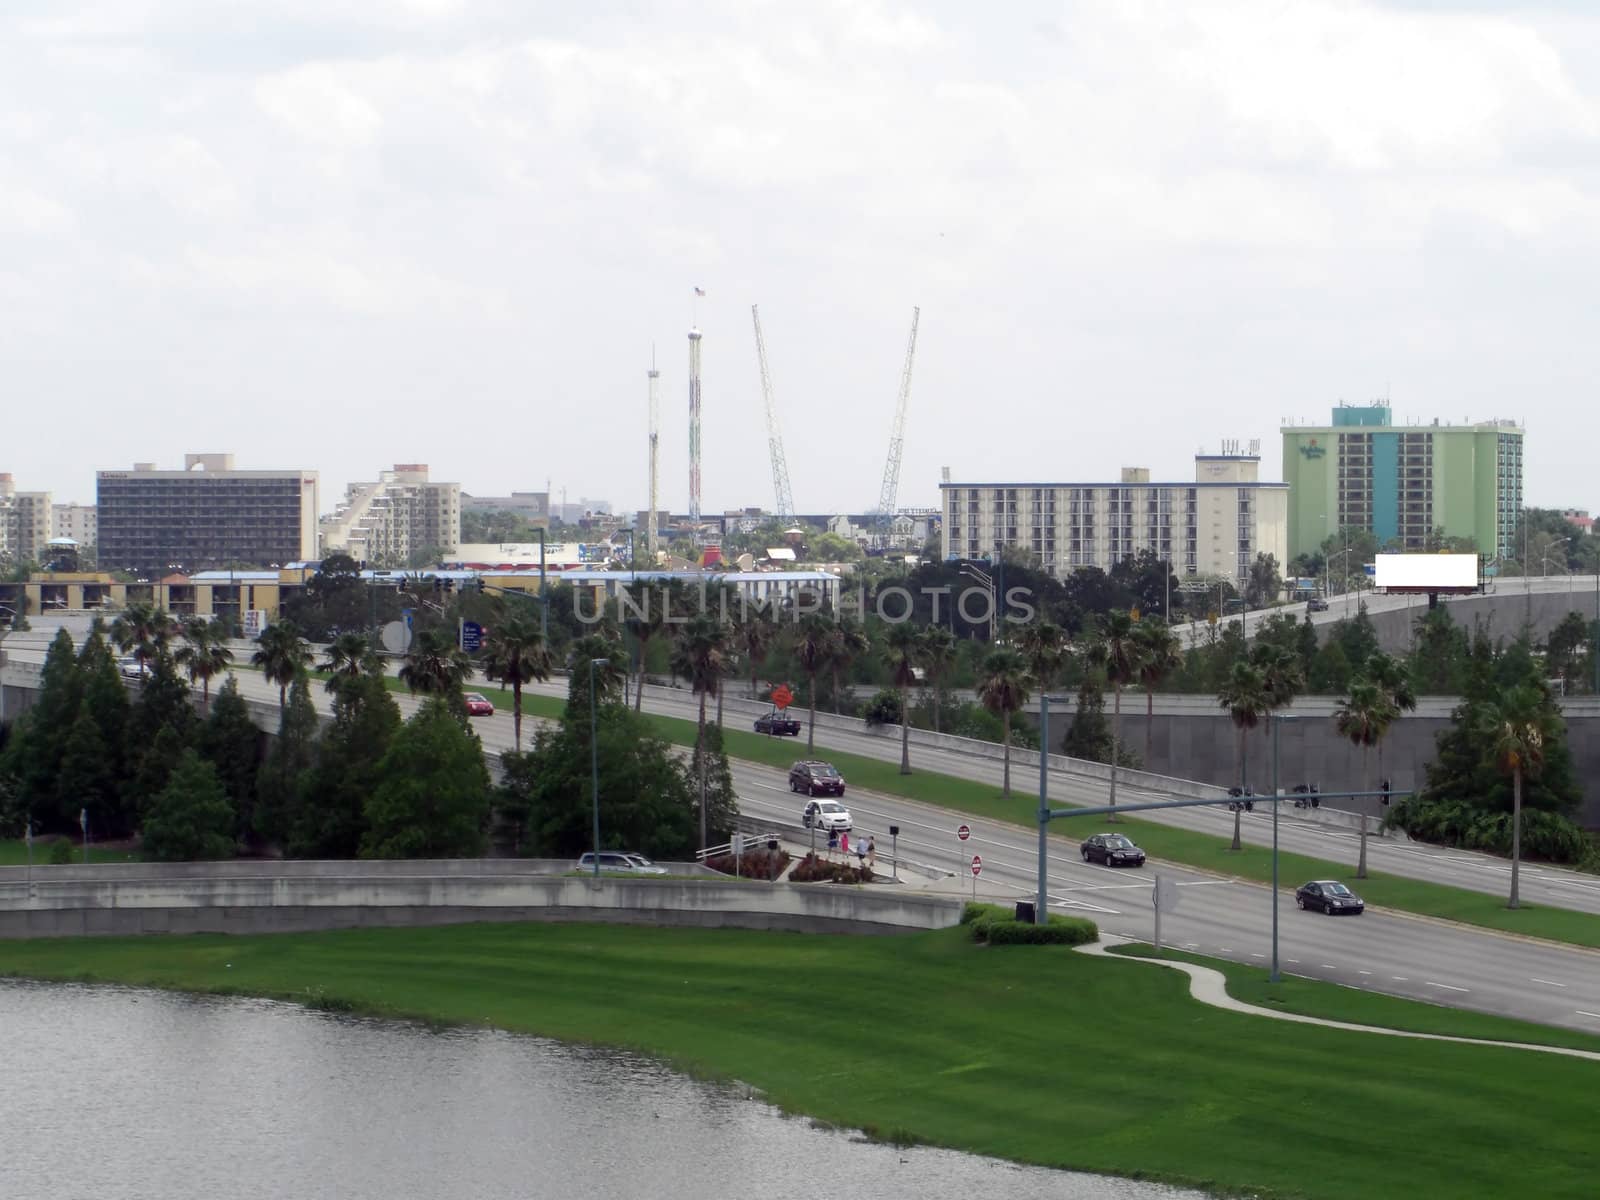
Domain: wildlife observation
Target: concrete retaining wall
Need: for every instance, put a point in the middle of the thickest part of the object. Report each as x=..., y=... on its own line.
x=228, y=902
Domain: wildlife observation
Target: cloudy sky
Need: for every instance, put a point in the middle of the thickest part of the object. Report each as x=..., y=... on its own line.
x=341, y=234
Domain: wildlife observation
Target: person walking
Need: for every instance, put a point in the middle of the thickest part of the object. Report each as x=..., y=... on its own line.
x=844, y=845
x=872, y=852
x=833, y=840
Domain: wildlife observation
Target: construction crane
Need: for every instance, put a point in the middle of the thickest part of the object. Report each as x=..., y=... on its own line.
x=780, y=468
x=651, y=532
x=889, y=496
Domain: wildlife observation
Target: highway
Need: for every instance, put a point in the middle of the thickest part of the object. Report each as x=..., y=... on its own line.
x=1380, y=951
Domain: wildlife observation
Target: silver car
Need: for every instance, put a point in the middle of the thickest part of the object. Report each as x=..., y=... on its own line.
x=621, y=862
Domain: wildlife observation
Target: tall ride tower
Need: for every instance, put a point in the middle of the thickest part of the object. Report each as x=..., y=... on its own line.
x=650, y=524
x=694, y=427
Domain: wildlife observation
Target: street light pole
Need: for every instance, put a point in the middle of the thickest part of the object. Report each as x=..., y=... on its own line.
x=1041, y=910
x=594, y=763
x=544, y=603
x=1275, y=977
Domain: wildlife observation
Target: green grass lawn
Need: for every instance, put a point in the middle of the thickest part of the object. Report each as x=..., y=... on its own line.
x=1160, y=841
x=1311, y=998
x=14, y=853
x=1036, y=1054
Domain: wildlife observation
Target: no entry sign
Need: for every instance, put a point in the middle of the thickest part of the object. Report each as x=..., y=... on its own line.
x=977, y=865
x=964, y=833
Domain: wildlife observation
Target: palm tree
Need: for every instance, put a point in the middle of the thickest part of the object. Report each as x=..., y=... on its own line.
x=281, y=654
x=902, y=646
x=1119, y=658
x=1041, y=645
x=1394, y=681
x=610, y=677
x=812, y=647
x=650, y=598
x=754, y=632
x=1521, y=725
x=1364, y=717
x=849, y=643
x=436, y=666
x=937, y=656
x=700, y=656
x=350, y=656
x=1160, y=654
x=204, y=654
x=517, y=654
x=1244, y=695
x=1003, y=689
x=143, y=630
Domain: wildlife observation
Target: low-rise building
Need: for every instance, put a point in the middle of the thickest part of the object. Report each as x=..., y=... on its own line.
x=1211, y=527
x=75, y=521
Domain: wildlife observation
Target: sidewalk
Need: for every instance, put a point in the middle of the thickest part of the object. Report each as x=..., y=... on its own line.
x=1210, y=986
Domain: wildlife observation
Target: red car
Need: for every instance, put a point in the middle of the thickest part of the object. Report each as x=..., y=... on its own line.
x=477, y=706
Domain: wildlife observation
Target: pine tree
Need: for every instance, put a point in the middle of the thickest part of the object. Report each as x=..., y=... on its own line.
x=331, y=818
x=432, y=798
x=190, y=817
x=43, y=734
x=88, y=779
x=230, y=741
x=1089, y=734
x=289, y=759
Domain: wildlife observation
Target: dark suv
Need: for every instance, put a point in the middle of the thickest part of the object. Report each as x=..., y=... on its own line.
x=816, y=779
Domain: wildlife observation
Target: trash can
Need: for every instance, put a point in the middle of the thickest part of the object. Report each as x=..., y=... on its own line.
x=1025, y=912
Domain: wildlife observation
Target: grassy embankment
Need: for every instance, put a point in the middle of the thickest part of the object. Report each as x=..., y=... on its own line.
x=1035, y=1054
x=14, y=853
x=1160, y=841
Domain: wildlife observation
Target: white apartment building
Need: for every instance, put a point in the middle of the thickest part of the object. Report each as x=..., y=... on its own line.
x=385, y=522
x=75, y=521
x=24, y=522
x=1212, y=527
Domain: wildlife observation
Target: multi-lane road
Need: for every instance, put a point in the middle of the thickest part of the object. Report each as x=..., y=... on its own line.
x=1380, y=951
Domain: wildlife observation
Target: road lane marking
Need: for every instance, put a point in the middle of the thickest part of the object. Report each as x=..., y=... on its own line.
x=1547, y=982
x=1399, y=979
x=1363, y=972
x=1328, y=966
x=1253, y=954
x=1295, y=961
x=1225, y=949
x=1191, y=945
x=1584, y=1013
x=1449, y=987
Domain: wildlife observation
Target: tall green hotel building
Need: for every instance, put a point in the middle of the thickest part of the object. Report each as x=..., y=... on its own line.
x=1402, y=481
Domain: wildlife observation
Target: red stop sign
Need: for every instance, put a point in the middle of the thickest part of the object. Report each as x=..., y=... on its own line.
x=782, y=697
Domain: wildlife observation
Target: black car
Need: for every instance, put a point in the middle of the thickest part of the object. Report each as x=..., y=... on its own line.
x=1112, y=849
x=778, y=725
x=1329, y=896
x=816, y=779
x=1316, y=604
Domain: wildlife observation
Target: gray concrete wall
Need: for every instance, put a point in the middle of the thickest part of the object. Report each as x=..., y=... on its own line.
x=1505, y=611
x=149, y=900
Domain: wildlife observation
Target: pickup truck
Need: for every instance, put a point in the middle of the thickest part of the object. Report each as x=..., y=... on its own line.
x=778, y=725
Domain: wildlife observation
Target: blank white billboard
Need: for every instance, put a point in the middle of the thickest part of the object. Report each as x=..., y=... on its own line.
x=1426, y=572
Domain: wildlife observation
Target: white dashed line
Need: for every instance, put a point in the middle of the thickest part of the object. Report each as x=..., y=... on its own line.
x=1253, y=954
x=1547, y=982
x=1225, y=949
x=1449, y=987
x=1328, y=966
x=1582, y=1013
x=1295, y=961
x=1399, y=979
x=1363, y=972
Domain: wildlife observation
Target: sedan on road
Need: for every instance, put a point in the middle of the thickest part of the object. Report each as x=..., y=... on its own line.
x=1112, y=849
x=621, y=861
x=826, y=815
x=778, y=725
x=1329, y=896
x=478, y=705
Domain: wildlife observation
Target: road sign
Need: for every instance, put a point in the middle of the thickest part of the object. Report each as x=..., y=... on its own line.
x=471, y=636
x=964, y=833
x=782, y=697
x=977, y=865
x=1165, y=895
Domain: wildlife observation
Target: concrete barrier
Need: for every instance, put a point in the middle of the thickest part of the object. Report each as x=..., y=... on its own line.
x=222, y=902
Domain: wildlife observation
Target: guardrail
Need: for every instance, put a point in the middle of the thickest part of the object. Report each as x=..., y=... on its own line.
x=752, y=841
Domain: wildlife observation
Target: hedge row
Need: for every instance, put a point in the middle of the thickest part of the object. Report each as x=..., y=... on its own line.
x=995, y=925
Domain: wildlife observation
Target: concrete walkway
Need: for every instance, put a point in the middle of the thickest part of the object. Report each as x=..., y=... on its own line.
x=1210, y=986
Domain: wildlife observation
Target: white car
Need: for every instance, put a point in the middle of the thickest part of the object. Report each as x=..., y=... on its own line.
x=130, y=667
x=826, y=815
x=621, y=862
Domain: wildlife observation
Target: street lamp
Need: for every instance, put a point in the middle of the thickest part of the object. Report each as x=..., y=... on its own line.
x=594, y=761
x=987, y=580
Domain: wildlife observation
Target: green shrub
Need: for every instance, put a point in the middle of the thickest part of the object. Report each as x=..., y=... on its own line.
x=61, y=852
x=761, y=863
x=973, y=911
x=821, y=870
x=1061, y=931
x=884, y=708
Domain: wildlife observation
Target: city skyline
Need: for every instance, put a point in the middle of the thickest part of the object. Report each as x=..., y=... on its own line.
x=461, y=233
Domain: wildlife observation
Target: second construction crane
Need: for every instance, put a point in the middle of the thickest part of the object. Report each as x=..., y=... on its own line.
x=889, y=496
x=780, y=467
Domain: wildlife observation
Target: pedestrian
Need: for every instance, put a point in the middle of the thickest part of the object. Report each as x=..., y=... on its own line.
x=833, y=840
x=844, y=845
x=861, y=854
x=872, y=852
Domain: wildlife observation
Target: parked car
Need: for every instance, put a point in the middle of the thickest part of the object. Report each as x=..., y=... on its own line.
x=1113, y=849
x=622, y=862
x=1316, y=604
x=816, y=779
x=1329, y=896
x=778, y=725
x=130, y=667
x=478, y=705
x=826, y=815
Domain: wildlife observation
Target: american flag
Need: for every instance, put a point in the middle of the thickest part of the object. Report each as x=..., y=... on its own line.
x=699, y=291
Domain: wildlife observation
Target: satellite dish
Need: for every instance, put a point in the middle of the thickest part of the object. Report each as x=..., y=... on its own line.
x=746, y=561
x=395, y=637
